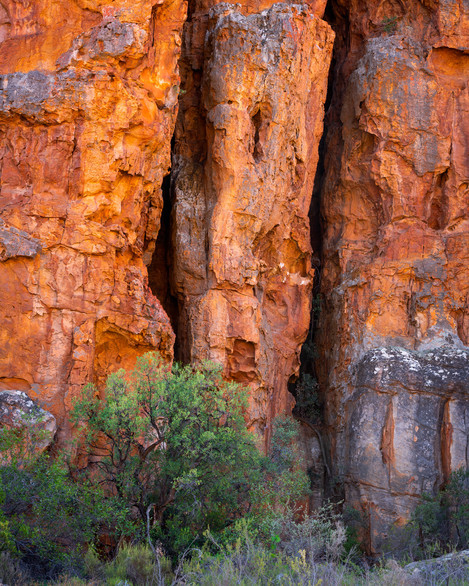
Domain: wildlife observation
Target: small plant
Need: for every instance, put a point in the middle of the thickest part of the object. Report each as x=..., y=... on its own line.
x=283, y=482
x=442, y=521
x=389, y=24
x=12, y=571
x=136, y=564
x=47, y=519
x=305, y=553
x=308, y=403
x=317, y=305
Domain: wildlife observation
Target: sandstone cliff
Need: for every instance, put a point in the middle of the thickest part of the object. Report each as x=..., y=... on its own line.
x=246, y=149
x=87, y=109
x=393, y=332
x=157, y=168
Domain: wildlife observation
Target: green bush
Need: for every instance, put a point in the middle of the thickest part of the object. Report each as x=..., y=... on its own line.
x=438, y=525
x=307, y=553
x=283, y=482
x=136, y=564
x=442, y=521
x=170, y=463
x=172, y=444
x=49, y=518
x=307, y=398
x=12, y=571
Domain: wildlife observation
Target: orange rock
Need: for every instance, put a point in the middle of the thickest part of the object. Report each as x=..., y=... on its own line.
x=87, y=109
x=246, y=150
x=395, y=278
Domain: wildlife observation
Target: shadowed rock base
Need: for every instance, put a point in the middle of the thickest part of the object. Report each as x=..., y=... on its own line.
x=393, y=332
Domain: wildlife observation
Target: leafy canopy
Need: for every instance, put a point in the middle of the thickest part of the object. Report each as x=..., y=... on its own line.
x=173, y=441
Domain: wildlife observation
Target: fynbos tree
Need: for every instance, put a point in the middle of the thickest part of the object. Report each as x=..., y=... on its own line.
x=172, y=443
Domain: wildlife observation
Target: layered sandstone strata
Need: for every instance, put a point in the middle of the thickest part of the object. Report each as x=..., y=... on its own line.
x=246, y=151
x=394, y=330
x=88, y=99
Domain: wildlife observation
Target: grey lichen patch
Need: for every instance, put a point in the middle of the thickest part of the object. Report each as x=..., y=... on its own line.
x=14, y=242
x=113, y=39
x=44, y=97
x=18, y=411
x=25, y=92
x=440, y=371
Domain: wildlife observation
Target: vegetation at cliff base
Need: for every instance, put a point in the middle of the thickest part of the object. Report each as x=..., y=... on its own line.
x=166, y=486
x=173, y=445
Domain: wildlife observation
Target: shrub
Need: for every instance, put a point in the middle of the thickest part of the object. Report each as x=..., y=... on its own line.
x=308, y=403
x=12, y=571
x=137, y=565
x=442, y=521
x=172, y=444
x=302, y=558
x=283, y=481
x=51, y=518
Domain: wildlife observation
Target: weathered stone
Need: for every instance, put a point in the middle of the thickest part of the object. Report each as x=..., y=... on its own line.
x=14, y=242
x=88, y=104
x=393, y=332
x=452, y=567
x=18, y=411
x=88, y=100
x=242, y=256
x=399, y=433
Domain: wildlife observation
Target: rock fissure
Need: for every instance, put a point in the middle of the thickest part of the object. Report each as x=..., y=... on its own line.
x=243, y=184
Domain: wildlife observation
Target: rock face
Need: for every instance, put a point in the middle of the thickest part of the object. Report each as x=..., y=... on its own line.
x=17, y=411
x=243, y=169
x=394, y=328
x=89, y=94
x=88, y=100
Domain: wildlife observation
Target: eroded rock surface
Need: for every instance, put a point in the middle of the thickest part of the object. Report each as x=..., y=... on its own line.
x=393, y=333
x=88, y=99
x=19, y=412
x=88, y=105
x=245, y=157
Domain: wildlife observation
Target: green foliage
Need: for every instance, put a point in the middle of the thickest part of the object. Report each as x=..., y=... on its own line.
x=390, y=24
x=136, y=564
x=442, y=521
x=306, y=552
x=48, y=518
x=308, y=402
x=11, y=570
x=317, y=305
x=354, y=521
x=171, y=462
x=172, y=443
x=284, y=481
x=439, y=524
x=22, y=444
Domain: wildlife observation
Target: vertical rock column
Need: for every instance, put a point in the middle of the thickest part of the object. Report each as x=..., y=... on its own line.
x=88, y=101
x=393, y=336
x=241, y=240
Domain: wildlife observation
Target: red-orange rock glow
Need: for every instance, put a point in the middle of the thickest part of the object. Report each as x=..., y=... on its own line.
x=246, y=153
x=87, y=109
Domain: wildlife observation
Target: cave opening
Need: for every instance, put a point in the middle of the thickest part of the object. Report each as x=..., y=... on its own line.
x=159, y=269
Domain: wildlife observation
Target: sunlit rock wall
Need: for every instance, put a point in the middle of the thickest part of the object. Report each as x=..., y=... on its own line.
x=246, y=149
x=88, y=100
